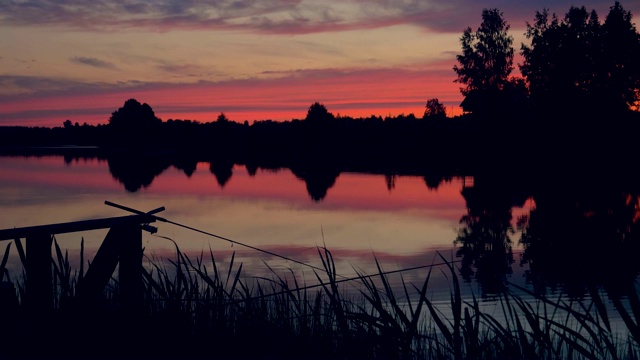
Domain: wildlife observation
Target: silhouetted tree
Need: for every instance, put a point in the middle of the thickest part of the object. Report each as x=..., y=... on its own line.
x=577, y=63
x=134, y=115
x=318, y=113
x=486, y=61
x=133, y=124
x=621, y=67
x=222, y=118
x=434, y=110
x=560, y=64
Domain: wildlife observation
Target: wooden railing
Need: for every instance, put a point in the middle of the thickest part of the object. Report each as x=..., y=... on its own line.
x=122, y=245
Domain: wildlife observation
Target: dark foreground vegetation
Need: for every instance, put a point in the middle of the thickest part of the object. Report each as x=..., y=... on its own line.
x=195, y=309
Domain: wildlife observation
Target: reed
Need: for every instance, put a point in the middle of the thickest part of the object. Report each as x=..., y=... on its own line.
x=194, y=308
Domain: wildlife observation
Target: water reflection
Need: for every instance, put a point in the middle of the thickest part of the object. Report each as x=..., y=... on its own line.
x=222, y=170
x=319, y=179
x=577, y=239
x=485, y=242
x=578, y=235
x=433, y=180
x=136, y=171
x=358, y=210
x=187, y=165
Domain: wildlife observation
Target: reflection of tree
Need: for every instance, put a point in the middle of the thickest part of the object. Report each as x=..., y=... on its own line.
x=318, y=179
x=187, y=165
x=252, y=168
x=390, y=179
x=223, y=170
x=136, y=171
x=484, y=238
x=580, y=239
x=433, y=180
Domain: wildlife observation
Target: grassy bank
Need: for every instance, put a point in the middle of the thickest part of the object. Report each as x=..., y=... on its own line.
x=195, y=309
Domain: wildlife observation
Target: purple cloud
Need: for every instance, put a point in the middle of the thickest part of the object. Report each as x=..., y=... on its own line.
x=278, y=16
x=93, y=62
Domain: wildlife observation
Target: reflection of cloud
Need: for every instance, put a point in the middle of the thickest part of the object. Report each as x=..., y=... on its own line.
x=93, y=62
x=274, y=16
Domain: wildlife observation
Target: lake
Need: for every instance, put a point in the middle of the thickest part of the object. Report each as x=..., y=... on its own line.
x=558, y=236
x=399, y=219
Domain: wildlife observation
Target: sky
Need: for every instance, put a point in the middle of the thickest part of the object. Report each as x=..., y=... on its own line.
x=253, y=60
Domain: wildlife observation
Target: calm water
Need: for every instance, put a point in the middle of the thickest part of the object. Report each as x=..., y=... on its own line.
x=574, y=236
x=402, y=224
x=359, y=216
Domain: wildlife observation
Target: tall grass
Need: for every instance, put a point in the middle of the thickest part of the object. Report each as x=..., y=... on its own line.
x=193, y=308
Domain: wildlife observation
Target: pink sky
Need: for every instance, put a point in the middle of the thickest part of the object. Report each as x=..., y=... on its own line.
x=253, y=60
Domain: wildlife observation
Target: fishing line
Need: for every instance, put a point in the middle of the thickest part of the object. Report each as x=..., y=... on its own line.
x=359, y=277
x=152, y=212
x=344, y=278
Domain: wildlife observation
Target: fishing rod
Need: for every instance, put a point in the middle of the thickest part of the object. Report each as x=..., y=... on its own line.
x=161, y=219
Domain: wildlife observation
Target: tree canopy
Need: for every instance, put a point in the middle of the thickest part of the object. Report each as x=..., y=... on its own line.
x=434, y=110
x=486, y=61
x=135, y=116
x=577, y=62
x=134, y=125
x=317, y=112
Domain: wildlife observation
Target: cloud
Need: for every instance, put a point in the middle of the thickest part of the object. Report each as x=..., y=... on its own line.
x=187, y=71
x=93, y=62
x=280, y=96
x=17, y=85
x=99, y=15
x=276, y=16
x=14, y=87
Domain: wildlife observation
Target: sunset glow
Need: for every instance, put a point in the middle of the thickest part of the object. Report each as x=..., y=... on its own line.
x=253, y=60
x=270, y=209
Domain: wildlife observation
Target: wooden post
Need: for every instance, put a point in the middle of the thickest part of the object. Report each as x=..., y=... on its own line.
x=130, y=272
x=39, y=297
x=102, y=267
x=122, y=244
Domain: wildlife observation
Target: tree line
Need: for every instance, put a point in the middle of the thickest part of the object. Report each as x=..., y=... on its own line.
x=580, y=82
x=575, y=64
